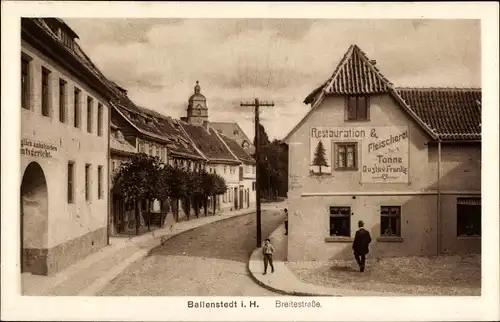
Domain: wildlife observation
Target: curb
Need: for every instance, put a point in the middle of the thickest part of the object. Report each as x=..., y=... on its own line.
x=279, y=291
x=276, y=290
x=99, y=284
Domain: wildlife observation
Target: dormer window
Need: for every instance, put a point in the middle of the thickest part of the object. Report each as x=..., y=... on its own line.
x=236, y=132
x=357, y=108
x=66, y=39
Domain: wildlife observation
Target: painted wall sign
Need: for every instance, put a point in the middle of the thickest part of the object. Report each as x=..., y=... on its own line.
x=37, y=149
x=381, y=153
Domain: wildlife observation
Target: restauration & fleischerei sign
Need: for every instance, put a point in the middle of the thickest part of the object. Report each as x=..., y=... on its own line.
x=380, y=153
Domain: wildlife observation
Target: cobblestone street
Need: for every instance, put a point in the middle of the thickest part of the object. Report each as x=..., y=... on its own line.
x=207, y=261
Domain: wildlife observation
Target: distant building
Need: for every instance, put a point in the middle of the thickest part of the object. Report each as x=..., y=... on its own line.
x=406, y=161
x=64, y=148
x=233, y=131
x=225, y=156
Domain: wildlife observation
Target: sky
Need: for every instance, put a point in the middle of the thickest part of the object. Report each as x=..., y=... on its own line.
x=281, y=60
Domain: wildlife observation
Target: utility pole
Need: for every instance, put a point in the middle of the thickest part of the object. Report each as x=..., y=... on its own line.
x=256, y=104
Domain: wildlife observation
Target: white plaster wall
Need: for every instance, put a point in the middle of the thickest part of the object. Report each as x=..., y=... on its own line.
x=67, y=221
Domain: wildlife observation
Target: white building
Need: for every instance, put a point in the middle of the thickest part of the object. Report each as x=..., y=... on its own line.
x=64, y=149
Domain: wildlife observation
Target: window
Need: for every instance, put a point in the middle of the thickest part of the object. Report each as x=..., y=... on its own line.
x=225, y=169
x=90, y=107
x=340, y=221
x=390, y=221
x=357, y=108
x=77, y=108
x=346, y=156
x=253, y=186
x=67, y=40
x=25, y=83
x=141, y=147
x=71, y=181
x=253, y=169
x=87, y=182
x=62, y=101
x=99, y=182
x=99, y=119
x=150, y=150
x=45, y=92
x=468, y=217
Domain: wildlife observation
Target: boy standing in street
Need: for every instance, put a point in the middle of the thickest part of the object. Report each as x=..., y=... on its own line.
x=360, y=245
x=267, y=252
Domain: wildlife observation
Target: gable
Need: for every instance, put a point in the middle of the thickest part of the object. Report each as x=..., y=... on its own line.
x=356, y=74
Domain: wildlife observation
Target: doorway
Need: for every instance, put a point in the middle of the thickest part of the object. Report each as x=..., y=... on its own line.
x=34, y=220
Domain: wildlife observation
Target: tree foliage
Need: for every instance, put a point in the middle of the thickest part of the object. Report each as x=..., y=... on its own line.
x=147, y=178
x=273, y=166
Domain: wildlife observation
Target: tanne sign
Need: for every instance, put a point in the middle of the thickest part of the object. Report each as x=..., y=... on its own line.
x=378, y=154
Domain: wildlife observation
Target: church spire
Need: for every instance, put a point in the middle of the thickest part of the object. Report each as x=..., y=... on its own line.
x=197, y=88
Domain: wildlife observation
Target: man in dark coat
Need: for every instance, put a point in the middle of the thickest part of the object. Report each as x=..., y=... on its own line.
x=360, y=245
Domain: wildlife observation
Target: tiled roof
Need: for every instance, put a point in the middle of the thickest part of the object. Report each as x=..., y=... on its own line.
x=355, y=74
x=120, y=144
x=208, y=143
x=77, y=51
x=237, y=150
x=158, y=126
x=453, y=113
x=445, y=113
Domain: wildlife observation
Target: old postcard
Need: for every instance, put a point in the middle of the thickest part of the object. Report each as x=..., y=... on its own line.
x=269, y=162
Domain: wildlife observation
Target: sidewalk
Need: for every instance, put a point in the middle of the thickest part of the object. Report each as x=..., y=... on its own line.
x=284, y=281
x=90, y=275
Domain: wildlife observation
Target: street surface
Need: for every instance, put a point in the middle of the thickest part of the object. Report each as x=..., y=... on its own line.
x=207, y=261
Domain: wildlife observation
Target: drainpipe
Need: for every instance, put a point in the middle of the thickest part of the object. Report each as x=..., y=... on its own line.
x=438, y=221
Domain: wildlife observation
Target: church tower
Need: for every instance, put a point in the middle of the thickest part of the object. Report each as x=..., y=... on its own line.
x=197, y=111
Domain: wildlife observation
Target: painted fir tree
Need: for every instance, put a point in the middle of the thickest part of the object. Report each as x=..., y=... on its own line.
x=320, y=156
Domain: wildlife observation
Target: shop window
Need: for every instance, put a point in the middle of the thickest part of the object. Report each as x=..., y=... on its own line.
x=346, y=156
x=357, y=108
x=468, y=217
x=390, y=221
x=340, y=221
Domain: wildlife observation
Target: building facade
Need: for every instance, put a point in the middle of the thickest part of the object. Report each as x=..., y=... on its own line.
x=406, y=161
x=246, y=173
x=64, y=149
x=140, y=130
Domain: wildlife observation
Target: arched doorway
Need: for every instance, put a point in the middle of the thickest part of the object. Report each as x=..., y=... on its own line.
x=34, y=220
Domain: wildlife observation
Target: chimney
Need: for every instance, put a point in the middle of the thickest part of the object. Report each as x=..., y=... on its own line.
x=205, y=125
